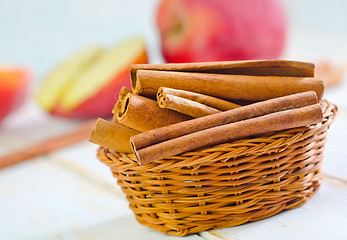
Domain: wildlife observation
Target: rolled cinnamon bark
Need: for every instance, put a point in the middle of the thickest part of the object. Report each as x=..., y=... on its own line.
x=249, y=111
x=229, y=87
x=278, y=121
x=213, y=102
x=116, y=110
x=143, y=114
x=252, y=67
x=117, y=107
x=112, y=135
x=114, y=118
x=123, y=92
x=185, y=106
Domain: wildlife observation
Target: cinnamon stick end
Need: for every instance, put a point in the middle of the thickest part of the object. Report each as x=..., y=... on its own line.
x=122, y=107
x=92, y=135
x=133, y=147
x=123, y=92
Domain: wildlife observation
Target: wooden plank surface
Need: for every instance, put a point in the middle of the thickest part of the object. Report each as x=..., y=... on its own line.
x=49, y=199
x=41, y=200
x=335, y=152
x=323, y=217
x=67, y=194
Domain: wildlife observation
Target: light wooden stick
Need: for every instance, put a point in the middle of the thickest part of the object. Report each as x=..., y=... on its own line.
x=80, y=134
x=330, y=73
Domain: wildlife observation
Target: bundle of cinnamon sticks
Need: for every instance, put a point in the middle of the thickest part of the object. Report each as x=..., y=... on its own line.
x=175, y=108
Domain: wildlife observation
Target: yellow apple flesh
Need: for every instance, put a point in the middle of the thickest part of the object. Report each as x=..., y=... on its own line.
x=91, y=90
x=62, y=77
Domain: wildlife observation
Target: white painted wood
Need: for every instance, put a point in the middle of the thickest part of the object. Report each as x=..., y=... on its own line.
x=335, y=153
x=82, y=158
x=125, y=228
x=44, y=199
x=323, y=217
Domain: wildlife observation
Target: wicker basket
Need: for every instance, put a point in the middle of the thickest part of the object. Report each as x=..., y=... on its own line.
x=225, y=185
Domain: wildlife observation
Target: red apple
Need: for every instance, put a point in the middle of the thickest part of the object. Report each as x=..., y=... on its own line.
x=14, y=84
x=216, y=30
x=86, y=85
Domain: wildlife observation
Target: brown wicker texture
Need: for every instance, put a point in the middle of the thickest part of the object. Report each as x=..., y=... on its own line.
x=225, y=185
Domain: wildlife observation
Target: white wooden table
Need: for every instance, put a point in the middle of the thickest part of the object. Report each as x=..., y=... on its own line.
x=69, y=194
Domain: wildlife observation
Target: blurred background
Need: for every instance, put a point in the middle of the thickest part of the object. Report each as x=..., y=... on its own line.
x=38, y=34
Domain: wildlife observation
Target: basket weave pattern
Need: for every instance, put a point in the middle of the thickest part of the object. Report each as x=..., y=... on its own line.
x=224, y=185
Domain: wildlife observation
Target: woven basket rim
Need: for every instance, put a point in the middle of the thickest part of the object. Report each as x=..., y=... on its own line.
x=270, y=140
x=227, y=184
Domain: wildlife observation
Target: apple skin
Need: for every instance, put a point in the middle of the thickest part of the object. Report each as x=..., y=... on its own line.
x=14, y=83
x=211, y=30
x=103, y=101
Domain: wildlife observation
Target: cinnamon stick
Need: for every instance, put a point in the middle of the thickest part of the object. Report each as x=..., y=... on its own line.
x=143, y=114
x=123, y=92
x=252, y=67
x=255, y=126
x=116, y=110
x=185, y=106
x=152, y=137
x=213, y=102
x=114, y=118
x=117, y=107
x=112, y=135
x=229, y=87
x=80, y=134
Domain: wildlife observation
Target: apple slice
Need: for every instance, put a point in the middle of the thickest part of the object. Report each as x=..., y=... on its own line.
x=91, y=92
x=62, y=77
